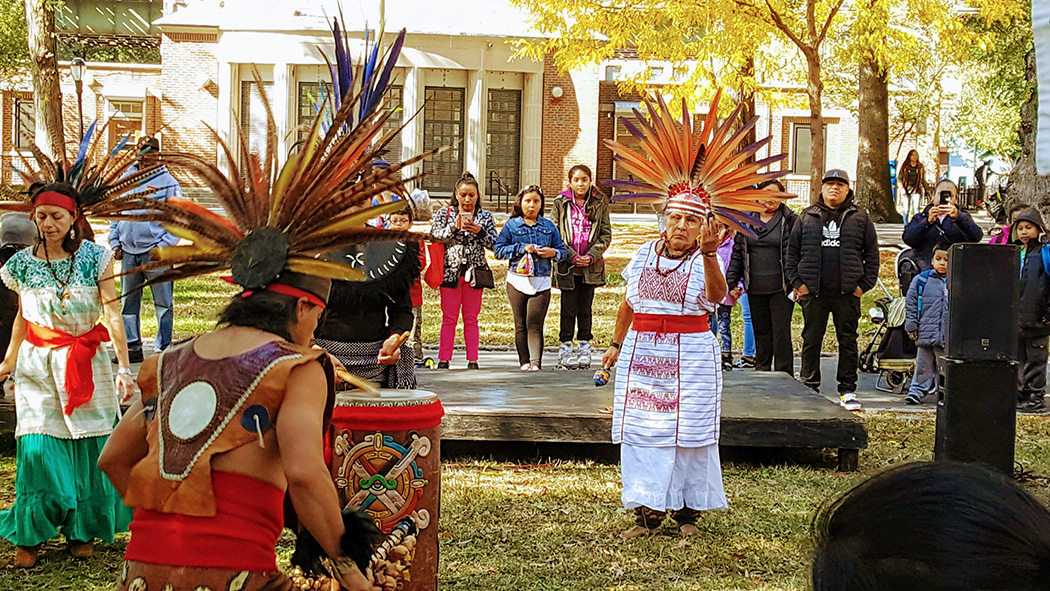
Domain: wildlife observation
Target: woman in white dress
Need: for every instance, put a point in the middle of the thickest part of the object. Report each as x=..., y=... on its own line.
x=66, y=397
x=668, y=394
x=669, y=383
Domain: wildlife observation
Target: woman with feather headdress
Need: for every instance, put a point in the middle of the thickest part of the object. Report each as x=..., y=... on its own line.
x=66, y=398
x=667, y=402
x=233, y=419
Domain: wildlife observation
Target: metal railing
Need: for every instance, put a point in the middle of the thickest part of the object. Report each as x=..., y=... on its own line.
x=499, y=193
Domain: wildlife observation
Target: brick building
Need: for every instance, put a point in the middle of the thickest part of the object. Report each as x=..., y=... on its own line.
x=511, y=122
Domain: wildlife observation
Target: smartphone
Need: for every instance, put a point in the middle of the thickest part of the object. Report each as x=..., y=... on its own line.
x=945, y=197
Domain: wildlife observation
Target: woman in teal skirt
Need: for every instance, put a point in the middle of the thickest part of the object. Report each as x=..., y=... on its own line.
x=66, y=397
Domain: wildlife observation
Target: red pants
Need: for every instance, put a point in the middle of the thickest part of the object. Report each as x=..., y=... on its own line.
x=453, y=299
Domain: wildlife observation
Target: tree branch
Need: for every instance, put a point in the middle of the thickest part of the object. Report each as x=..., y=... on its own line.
x=827, y=23
x=811, y=21
x=780, y=24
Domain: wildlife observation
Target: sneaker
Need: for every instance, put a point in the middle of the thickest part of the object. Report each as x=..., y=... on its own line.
x=526, y=367
x=566, y=358
x=745, y=362
x=849, y=401
x=134, y=356
x=473, y=365
x=534, y=367
x=913, y=399
x=583, y=359
x=727, y=361
x=442, y=365
x=1034, y=406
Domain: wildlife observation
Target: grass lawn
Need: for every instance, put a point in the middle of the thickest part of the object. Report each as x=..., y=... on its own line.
x=555, y=525
x=197, y=301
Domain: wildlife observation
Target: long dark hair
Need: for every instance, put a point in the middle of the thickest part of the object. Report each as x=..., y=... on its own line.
x=264, y=310
x=933, y=526
x=594, y=196
x=907, y=160
x=466, y=179
x=518, y=212
x=76, y=232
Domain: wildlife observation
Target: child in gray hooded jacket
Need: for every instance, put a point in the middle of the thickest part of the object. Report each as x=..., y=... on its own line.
x=925, y=320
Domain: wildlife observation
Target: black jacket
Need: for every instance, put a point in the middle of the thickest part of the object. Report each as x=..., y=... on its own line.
x=922, y=236
x=858, y=254
x=776, y=233
x=1035, y=284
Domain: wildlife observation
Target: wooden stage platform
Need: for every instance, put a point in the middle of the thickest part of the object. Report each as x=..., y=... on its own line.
x=500, y=404
x=759, y=409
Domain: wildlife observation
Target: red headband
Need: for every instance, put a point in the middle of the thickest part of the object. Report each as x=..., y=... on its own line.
x=283, y=289
x=56, y=199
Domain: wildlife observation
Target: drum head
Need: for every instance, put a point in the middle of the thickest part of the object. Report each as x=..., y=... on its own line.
x=386, y=397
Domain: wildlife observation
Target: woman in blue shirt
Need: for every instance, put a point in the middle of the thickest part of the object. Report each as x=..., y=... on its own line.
x=531, y=242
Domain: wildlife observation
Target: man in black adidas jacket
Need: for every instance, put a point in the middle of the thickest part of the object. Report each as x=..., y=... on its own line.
x=832, y=259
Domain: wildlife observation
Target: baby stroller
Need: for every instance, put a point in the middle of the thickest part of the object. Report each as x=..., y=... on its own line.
x=890, y=352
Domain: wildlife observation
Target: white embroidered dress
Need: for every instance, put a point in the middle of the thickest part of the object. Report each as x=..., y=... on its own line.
x=668, y=392
x=39, y=375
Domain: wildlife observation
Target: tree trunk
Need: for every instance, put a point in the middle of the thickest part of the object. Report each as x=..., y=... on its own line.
x=43, y=65
x=747, y=97
x=874, y=192
x=815, y=90
x=1026, y=186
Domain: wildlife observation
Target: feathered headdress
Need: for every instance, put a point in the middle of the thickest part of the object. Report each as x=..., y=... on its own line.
x=703, y=174
x=281, y=219
x=95, y=181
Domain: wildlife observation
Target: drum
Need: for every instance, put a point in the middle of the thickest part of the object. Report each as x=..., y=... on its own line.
x=386, y=460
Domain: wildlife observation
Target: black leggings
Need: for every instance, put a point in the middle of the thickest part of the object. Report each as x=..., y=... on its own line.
x=771, y=320
x=576, y=307
x=529, y=313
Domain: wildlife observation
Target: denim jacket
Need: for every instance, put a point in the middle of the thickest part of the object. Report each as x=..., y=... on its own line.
x=516, y=234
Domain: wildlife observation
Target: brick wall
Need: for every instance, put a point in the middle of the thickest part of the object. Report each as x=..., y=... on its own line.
x=187, y=58
x=570, y=125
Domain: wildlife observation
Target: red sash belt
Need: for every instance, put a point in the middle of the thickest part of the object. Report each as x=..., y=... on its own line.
x=80, y=383
x=670, y=324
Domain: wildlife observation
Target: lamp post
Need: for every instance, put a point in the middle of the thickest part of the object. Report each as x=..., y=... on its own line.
x=77, y=69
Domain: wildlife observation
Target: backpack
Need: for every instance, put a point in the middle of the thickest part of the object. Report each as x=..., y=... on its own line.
x=920, y=284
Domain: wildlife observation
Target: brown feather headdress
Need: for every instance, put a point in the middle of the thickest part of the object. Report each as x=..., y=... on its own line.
x=281, y=220
x=704, y=173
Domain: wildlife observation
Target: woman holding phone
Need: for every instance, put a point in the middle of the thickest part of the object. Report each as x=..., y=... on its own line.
x=940, y=222
x=469, y=230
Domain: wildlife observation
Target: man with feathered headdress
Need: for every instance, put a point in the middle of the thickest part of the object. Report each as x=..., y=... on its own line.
x=667, y=402
x=232, y=419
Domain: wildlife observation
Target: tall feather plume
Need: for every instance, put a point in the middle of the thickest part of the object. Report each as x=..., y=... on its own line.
x=708, y=163
x=320, y=199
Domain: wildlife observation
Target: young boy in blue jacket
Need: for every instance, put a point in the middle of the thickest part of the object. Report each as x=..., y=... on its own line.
x=925, y=318
x=1028, y=231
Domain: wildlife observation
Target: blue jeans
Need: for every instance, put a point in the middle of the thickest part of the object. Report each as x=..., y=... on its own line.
x=721, y=327
x=749, y=333
x=163, y=293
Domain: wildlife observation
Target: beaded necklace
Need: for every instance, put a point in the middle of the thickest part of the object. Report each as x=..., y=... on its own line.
x=63, y=291
x=665, y=253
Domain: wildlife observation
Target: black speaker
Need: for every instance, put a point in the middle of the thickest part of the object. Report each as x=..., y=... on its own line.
x=983, y=287
x=976, y=414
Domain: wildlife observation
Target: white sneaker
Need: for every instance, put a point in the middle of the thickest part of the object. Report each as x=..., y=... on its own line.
x=583, y=360
x=566, y=357
x=849, y=401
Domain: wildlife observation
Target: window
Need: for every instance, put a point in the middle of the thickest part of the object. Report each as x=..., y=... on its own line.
x=504, y=141
x=443, y=126
x=392, y=102
x=801, y=152
x=657, y=73
x=623, y=110
x=125, y=119
x=253, y=115
x=25, y=124
x=612, y=73
x=311, y=95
